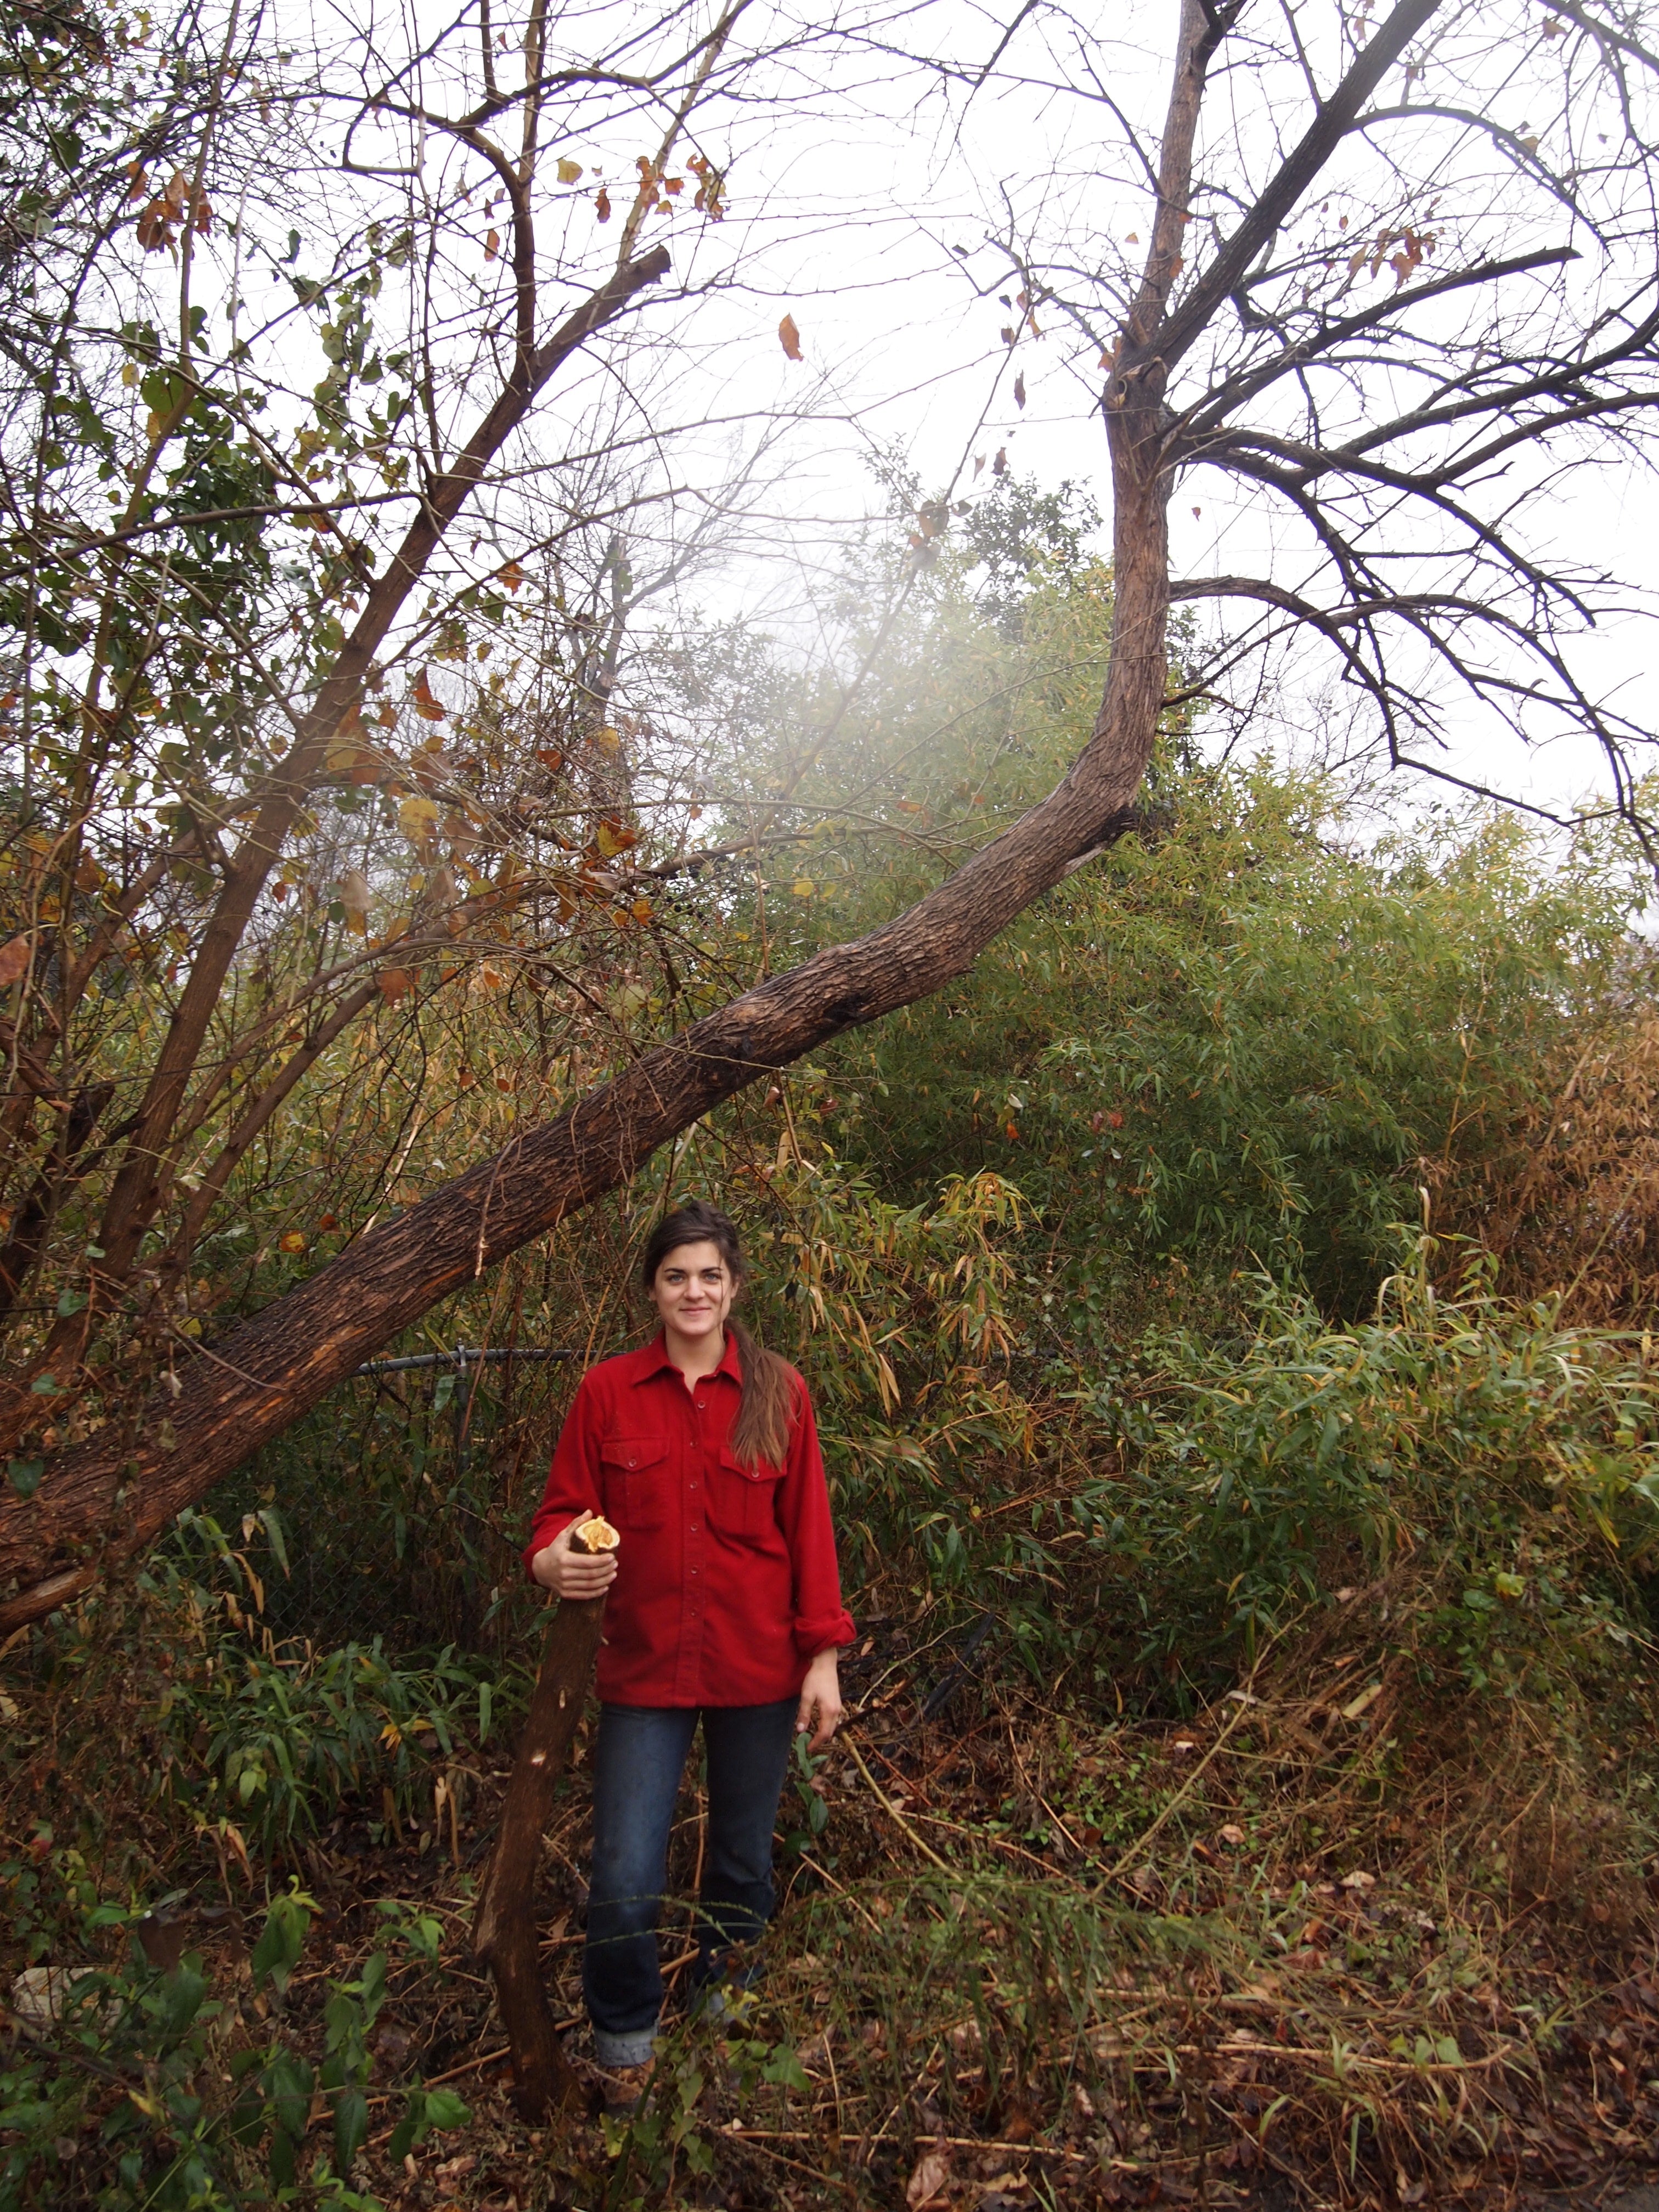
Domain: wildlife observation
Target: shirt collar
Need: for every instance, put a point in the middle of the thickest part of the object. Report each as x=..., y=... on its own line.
x=653, y=1359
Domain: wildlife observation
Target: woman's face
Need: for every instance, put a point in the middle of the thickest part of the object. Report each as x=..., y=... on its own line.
x=693, y=1289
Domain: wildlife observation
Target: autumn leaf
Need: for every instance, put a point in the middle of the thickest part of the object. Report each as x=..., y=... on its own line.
x=999, y=466
x=355, y=897
x=417, y=818
x=291, y=1241
x=602, y=205
x=642, y=911
x=154, y=231
x=394, y=984
x=14, y=959
x=927, y=2182
x=426, y=706
x=492, y=244
x=789, y=337
x=1019, y=389
x=802, y=888
x=569, y=172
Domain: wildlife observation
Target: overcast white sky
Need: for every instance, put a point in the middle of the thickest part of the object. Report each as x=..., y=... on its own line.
x=848, y=195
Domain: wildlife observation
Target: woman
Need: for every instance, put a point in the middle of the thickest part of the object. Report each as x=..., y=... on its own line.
x=725, y=1602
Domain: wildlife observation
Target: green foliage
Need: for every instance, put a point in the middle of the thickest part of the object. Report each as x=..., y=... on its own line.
x=274, y=1738
x=157, y=2095
x=1509, y=1463
x=1240, y=1043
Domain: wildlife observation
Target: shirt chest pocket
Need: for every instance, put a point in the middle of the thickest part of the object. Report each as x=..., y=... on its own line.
x=636, y=1473
x=743, y=1501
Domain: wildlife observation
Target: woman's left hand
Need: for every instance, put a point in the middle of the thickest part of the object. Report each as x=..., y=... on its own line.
x=820, y=1700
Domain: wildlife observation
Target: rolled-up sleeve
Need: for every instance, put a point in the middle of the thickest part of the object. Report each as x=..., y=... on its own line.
x=820, y=1619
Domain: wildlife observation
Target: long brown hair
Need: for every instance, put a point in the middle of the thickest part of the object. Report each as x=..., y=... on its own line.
x=766, y=1413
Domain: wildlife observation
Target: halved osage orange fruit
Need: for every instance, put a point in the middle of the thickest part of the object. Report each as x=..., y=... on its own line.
x=594, y=1534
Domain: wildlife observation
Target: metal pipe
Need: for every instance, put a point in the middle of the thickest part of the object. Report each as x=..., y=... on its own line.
x=460, y=1357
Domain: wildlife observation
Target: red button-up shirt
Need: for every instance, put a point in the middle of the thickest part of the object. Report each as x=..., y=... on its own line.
x=726, y=1585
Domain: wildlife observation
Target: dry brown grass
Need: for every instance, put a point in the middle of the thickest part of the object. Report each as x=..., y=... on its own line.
x=1343, y=1937
x=1567, y=1196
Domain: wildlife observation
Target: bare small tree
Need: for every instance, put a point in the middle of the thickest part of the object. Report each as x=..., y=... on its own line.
x=1402, y=420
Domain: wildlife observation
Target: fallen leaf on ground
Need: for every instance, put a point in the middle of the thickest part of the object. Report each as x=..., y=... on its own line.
x=931, y=2173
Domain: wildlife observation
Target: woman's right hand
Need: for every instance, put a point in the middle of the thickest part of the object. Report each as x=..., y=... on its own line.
x=575, y=1575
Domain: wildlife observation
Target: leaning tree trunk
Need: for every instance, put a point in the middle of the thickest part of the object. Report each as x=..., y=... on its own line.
x=504, y=1932
x=116, y=1492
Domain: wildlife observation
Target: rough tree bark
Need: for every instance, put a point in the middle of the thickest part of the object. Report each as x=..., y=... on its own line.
x=504, y=1932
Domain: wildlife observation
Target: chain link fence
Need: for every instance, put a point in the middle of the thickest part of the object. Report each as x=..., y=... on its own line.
x=400, y=1505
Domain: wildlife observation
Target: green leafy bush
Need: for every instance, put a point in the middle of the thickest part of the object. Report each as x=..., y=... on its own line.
x=1510, y=1463
x=148, y=2092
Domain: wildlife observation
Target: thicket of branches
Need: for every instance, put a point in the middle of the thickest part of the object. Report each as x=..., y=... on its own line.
x=327, y=696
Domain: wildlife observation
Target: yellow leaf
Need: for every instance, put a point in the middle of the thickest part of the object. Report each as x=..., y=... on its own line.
x=804, y=888
x=608, y=741
x=642, y=909
x=417, y=818
x=569, y=172
x=291, y=1241
x=789, y=337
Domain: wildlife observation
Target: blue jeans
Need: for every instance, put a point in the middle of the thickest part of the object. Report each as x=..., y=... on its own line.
x=637, y=1764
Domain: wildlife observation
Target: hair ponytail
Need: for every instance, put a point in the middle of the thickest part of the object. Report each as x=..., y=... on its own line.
x=767, y=1411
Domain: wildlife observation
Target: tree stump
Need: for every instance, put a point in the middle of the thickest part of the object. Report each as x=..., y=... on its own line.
x=504, y=1932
